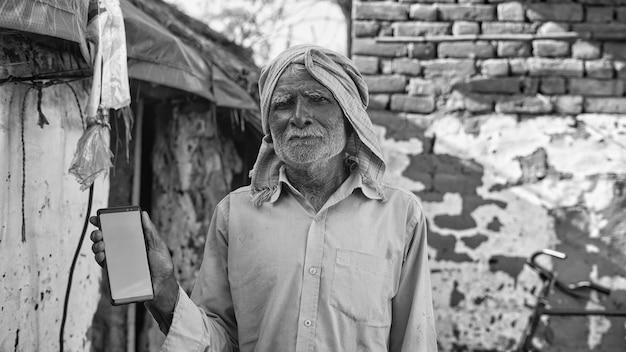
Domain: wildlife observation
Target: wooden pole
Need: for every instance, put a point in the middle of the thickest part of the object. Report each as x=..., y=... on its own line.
x=610, y=36
x=135, y=198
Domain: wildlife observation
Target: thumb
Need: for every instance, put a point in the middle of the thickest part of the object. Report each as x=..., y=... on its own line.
x=95, y=221
x=150, y=233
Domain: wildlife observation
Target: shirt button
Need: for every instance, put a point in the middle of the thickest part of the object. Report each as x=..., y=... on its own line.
x=312, y=271
x=308, y=323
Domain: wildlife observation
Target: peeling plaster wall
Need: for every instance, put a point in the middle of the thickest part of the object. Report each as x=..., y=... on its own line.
x=35, y=271
x=512, y=147
x=193, y=165
x=488, y=212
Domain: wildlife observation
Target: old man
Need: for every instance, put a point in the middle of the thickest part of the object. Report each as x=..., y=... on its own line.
x=317, y=254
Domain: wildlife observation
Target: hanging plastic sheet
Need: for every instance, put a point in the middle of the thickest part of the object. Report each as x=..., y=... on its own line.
x=230, y=94
x=156, y=55
x=109, y=90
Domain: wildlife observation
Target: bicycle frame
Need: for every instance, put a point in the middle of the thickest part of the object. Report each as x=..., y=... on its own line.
x=550, y=281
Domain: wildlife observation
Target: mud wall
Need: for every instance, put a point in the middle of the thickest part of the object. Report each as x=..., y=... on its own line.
x=35, y=263
x=513, y=146
x=193, y=165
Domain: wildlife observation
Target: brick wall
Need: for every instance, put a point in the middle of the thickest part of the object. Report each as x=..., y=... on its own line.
x=512, y=146
x=569, y=76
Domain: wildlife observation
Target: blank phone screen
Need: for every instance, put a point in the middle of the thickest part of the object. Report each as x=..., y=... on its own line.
x=126, y=256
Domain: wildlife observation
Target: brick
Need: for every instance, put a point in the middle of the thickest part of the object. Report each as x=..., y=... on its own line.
x=449, y=68
x=518, y=66
x=605, y=105
x=586, y=50
x=406, y=66
x=366, y=64
x=553, y=27
x=385, y=84
x=401, y=102
x=513, y=49
x=465, y=27
x=386, y=67
x=615, y=51
x=599, y=69
x=600, y=14
x=422, y=50
x=420, y=12
x=504, y=85
x=386, y=30
x=568, y=104
x=454, y=102
x=478, y=103
x=428, y=1
x=367, y=46
x=478, y=49
x=418, y=86
x=495, y=67
x=525, y=105
x=552, y=85
x=555, y=67
x=599, y=27
x=529, y=85
x=567, y=12
x=384, y=117
x=446, y=83
x=365, y=28
x=603, y=2
x=620, y=69
x=551, y=48
x=508, y=27
x=379, y=101
x=421, y=28
x=448, y=12
x=596, y=87
x=511, y=11
x=385, y=11
x=620, y=13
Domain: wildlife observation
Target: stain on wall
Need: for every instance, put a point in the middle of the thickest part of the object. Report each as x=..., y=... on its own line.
x=35, y=271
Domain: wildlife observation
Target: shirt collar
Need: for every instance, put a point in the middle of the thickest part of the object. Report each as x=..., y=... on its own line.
x=354, y=181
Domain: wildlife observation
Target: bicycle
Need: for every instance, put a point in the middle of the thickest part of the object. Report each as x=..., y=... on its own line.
x=542, y=307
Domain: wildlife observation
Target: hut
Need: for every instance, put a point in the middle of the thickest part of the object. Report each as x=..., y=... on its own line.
x=194, y=137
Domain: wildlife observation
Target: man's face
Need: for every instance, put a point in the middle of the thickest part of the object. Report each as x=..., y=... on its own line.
x=305, y=120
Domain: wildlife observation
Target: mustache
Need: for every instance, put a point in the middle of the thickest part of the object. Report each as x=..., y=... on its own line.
x=303, y=133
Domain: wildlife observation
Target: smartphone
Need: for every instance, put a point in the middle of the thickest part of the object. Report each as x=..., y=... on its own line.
x=126, y=255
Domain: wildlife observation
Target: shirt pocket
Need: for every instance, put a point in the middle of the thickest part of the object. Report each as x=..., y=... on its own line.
x=361, y=287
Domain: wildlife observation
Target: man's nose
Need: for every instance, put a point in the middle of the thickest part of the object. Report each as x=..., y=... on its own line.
x=303, y=115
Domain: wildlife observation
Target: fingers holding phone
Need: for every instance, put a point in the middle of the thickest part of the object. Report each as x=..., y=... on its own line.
x=121, y=236
x=161, y=265
x=98, y=245
x=159, y=260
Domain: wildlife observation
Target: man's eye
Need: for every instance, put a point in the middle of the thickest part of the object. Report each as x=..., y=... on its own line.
x=280, y=104
x=318, y=99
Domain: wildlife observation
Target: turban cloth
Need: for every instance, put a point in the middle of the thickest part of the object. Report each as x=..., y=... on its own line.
x=339, y=74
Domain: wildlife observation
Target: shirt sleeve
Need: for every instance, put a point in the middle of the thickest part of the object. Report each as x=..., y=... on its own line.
x=206, y=321
x=413, y=323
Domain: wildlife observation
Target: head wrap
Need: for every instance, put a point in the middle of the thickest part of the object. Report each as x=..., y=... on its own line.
x=339, y=74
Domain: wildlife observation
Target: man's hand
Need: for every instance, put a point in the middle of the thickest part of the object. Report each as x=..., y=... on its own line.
x=161, y=268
